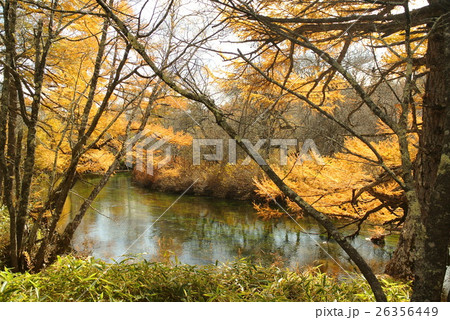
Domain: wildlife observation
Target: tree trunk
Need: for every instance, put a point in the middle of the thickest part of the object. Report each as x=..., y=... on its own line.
x=8, y=126
x=430, y=268
x=406, y=261
x=401, y=264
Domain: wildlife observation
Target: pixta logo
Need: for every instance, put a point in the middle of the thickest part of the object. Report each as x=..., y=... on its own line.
x=308, y=152
x=149, y=150
x=141, y=151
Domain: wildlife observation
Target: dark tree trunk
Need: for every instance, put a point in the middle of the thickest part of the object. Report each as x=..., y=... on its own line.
x=430, y=268
x=406, y=262
x=8, y=126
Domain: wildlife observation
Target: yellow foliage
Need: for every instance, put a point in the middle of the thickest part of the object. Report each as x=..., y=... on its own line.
x=66, y=87
x=332, y=188
x=95, y=161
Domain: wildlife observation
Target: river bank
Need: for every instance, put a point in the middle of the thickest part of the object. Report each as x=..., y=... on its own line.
x=218, y=180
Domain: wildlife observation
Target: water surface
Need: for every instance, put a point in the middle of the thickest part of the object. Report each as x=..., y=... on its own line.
x=130, y=220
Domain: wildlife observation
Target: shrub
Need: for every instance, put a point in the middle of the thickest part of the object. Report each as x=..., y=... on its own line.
x=4, y=234
x=71, y=279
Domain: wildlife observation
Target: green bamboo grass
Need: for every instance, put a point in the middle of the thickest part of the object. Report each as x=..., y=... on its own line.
x=73, y=279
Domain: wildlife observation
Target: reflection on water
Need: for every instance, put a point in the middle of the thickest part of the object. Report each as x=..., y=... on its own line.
x=201, y=230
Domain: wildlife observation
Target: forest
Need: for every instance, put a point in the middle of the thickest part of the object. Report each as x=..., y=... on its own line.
x=241, y=150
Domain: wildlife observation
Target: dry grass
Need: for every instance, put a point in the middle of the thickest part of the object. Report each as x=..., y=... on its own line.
x=214, y=179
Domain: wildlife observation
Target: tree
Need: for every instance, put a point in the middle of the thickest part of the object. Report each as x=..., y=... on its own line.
x=72, y=95
x=310, y=27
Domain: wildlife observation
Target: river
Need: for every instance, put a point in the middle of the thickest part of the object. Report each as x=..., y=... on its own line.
x=129, y=220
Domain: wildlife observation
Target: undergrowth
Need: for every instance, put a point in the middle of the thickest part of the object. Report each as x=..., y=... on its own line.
x=72, y=279
x=4, y=234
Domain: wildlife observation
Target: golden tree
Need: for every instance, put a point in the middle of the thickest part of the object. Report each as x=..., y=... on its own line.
x=72, y=96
